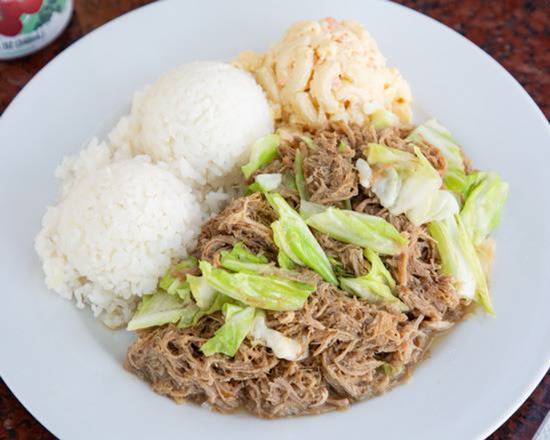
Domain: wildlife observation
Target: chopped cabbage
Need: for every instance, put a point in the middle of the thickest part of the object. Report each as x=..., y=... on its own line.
x=193, y=313
x=293, y=237
x=269, y=182
x=264, y=150
x=228, y=338
x=157, y=309
x=240, y=259
x=360, y=229
x=378, y=270
x=379, y=154
x=376, y=286
x=485, y=198
x=438, y=136
x=265, y=292
x=174, y=283
x=409, y=185
x=382, y=118
x=190, y=315
x=364, y=171
x=387, y=186
x=203, y=292
x=282, y=346
x=309, y=142
x=459, y=260
x=307, y=209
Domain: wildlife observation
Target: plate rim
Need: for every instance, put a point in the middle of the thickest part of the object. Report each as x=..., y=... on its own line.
x=542, y=370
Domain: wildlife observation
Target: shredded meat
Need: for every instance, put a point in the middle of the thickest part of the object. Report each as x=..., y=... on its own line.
x=350, y=256
x=329, y=172
x=416, y=270
x=246, y=219
x=348, y=341
x=353, y=349
x=359, y=137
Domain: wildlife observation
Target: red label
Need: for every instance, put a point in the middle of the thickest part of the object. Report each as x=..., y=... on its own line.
x=11, y=11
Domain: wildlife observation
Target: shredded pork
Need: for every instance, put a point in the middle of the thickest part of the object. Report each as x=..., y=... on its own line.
x=354, y=350
x=349, y=341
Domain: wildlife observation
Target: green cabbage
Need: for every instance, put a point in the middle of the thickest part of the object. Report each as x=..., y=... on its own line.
x=289, y=181
x=343, y=146
x=202, y=291
x=240, y=259
x=294, y=238
x=438, y=136
x=264, y=150
x=157, y=309
x=268, y=182
x=193, y=313
x=378, y=270
x=228, y=338
x=309, y=142
x=420, y=183
x=486, y=253
x=382, y=118
x=265, y=292
x=392, y=370
x=375, y=287
x=190, y=315
x=483, y=204
x=284, y=261
x=359, y=229
x=386, y=186
x=241, y=254
x=174, y=280
x=282, y=346
x=364, y=171
x=378, y=154
x=410, y=185
x=460, y=260
x=371, y=290
x=307, y=209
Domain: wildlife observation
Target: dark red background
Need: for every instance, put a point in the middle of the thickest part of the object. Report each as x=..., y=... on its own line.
x=515, y=32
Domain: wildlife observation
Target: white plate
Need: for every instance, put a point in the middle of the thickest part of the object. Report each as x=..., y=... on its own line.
x=67, y=369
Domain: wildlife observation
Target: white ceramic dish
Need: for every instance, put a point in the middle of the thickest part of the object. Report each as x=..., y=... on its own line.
x=66, y=368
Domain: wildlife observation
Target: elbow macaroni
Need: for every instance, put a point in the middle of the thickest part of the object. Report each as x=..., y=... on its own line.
x=325, y=71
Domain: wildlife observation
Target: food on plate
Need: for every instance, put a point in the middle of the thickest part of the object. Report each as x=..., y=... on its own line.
x=114, y=230
x=311, y=299
x=284, y=266
x=120, y=221
x=202, y=117
x=329, y=70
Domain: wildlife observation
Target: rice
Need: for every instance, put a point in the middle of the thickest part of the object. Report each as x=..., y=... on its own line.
x=130, y=205
x=200, y=118
x=117, y=228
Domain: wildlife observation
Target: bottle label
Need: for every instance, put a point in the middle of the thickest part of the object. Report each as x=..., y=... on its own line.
x=28, y=25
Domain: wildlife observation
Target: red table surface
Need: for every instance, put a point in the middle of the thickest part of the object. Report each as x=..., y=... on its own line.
x=514, y=32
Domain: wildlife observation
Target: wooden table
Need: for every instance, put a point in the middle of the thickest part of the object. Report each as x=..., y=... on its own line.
x=512, y=31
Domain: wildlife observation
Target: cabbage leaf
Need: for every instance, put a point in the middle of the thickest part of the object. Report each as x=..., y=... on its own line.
x=266, y=292
x=375, y=287
x=282, y=346
x=460, y=260
x=228, y=338
x=293, y=237
x=156, y=309
x=359, y=229
x=483, y=204
x=438, y=136
x=263, y=151
x=410, y=185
